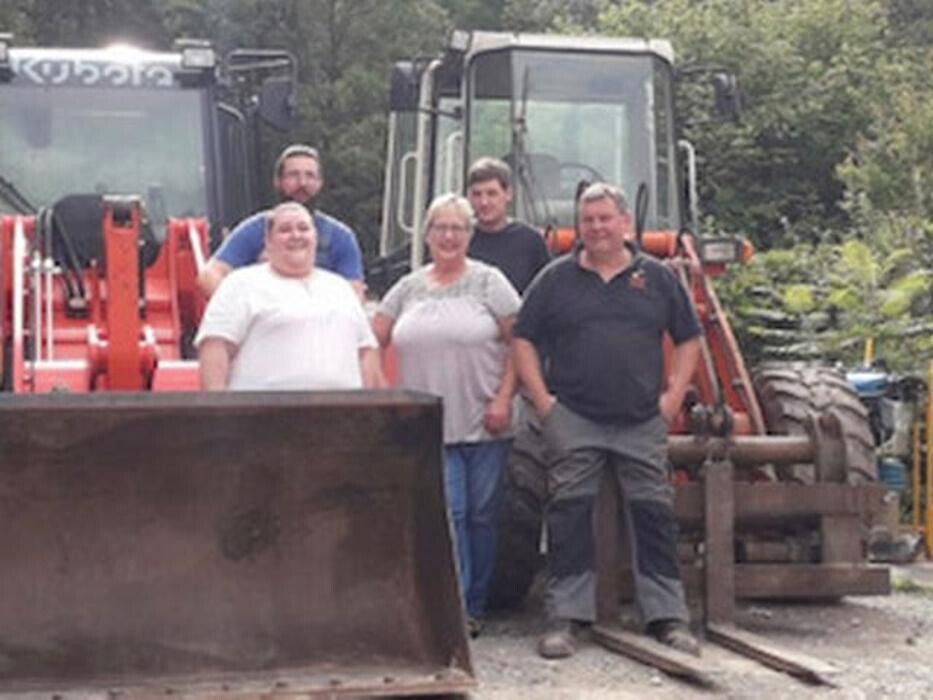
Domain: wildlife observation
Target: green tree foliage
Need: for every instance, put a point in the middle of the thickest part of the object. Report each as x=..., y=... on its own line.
x=891, y=166
x=345, y=49
x=475, y=14
x=912, y=21
x=12, y=19
x=808, y=71
x=889, y=178
x=541, y=15
x=84, y=23
x=822, y=302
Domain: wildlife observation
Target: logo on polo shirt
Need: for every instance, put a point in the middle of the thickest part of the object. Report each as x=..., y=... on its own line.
x=638, y=280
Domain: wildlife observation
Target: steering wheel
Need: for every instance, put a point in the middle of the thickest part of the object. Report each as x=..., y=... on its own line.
x=572, y=172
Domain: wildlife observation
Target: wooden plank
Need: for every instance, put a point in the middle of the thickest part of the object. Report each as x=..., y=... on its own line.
x=719, y=568
x=841, y=539
x=777, y=502
x=654, y=654
x=606, y=546
x=787, y=581
x=806, y=668
x=761, y=552
x=783, y=581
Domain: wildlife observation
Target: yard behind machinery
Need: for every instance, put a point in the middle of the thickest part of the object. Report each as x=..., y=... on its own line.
x=235, y=561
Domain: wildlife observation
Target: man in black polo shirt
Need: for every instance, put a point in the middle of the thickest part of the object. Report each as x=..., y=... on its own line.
x=599, y=315
x=515, y=248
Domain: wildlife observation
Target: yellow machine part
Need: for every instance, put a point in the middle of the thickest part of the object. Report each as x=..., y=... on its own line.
x=227, y=542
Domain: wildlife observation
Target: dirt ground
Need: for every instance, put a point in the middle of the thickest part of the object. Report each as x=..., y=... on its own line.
x=881, y=647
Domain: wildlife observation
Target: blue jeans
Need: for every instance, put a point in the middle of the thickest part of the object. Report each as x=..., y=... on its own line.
x=473, y=474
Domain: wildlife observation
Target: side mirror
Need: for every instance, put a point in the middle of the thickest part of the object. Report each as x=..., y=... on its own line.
x=277, y=103
x=728, y=98
x=405, y=83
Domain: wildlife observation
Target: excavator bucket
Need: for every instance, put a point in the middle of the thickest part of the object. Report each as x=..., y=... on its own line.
x=256, y=543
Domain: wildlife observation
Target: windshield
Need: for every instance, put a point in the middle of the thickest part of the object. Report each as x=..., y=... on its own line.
x=559, y=118
x=69, y=140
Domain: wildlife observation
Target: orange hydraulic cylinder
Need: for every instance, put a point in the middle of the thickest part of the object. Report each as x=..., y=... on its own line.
x=122, y=307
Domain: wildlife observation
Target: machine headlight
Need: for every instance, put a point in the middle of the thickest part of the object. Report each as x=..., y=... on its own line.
x=459, y=41
x=720, y=251
x=196, y=54
x=198, y=59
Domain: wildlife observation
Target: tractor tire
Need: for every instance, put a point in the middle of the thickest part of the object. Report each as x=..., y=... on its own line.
x=518, y=552
x=790, y=392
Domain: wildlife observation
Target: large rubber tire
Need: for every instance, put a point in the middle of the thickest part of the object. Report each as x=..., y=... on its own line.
x=790, y=392
x=518, y=553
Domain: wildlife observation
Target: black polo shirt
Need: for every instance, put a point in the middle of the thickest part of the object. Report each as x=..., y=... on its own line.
x=518, y=250
x=603, y=340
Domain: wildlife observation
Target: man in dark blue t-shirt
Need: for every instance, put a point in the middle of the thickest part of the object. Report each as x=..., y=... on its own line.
x=515, y=248
x=298, y=177
x=600, y=315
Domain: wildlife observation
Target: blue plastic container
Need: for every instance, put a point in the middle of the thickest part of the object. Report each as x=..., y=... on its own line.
x=892, y=472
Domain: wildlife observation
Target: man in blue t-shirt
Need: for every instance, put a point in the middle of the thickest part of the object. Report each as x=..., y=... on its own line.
x=298, y=177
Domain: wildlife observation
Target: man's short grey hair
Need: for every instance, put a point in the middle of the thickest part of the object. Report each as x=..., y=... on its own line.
x=285, y=207
x=451, y=200
x=296, y=149
x=603, y=190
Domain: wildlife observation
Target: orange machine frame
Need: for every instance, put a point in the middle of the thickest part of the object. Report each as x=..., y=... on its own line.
x=124, y=342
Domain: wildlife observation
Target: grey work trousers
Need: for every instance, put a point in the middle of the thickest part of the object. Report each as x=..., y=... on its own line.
x=576, y=451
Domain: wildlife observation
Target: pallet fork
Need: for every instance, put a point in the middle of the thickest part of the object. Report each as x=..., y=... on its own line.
x=718, y=505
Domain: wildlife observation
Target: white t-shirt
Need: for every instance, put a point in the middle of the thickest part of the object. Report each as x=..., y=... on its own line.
x=290, y=332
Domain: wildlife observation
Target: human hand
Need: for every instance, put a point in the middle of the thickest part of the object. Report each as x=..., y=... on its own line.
x=669, y=406
x=498, y=415
x=545, y=406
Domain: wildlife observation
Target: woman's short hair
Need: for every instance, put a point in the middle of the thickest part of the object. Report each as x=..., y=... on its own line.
x=284, y=207
x=451, y=200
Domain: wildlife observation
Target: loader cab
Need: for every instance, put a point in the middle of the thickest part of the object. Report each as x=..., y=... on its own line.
x=125, y=121
x=558, y=109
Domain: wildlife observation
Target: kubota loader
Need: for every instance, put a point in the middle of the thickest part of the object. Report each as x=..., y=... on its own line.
x=157, y=540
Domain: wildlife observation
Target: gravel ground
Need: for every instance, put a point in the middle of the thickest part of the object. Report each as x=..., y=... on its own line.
x=882, y=647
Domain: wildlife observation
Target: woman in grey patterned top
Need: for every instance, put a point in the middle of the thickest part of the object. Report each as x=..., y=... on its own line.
x=450, y=323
